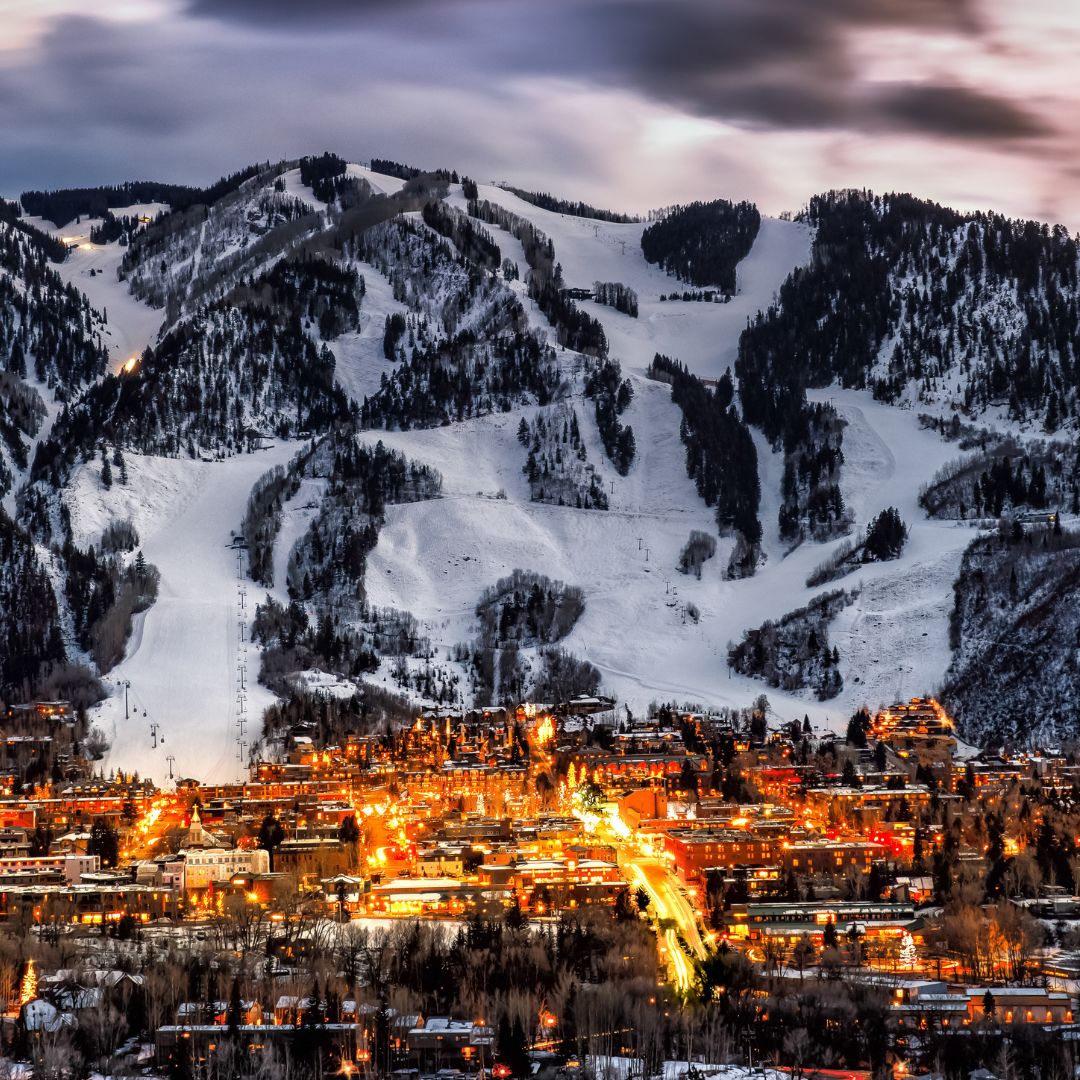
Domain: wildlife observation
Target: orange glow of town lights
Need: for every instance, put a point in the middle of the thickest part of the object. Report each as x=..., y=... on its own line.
x=545, y=730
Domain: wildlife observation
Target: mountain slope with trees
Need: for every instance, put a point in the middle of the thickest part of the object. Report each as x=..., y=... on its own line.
x=702, y=243
x=50, y=341
x=918, y=302
x=1015, y=631
x=313, y=308
x=720, y=456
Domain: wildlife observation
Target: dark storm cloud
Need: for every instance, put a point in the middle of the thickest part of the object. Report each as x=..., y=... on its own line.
x=293, y=13
x=767, y=63
x=813, y=93
x=959, y=112
x=86, y=70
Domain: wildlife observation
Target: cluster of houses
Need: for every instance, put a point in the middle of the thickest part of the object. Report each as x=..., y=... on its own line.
x=479, y=811
x=353, y=1033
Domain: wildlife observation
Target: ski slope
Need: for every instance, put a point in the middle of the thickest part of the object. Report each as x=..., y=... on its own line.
x=184, y=652
x=893, y=640
x=182, y=657
x=92, y=268
x=703, y=336
x=434, y=558
x=359, y=360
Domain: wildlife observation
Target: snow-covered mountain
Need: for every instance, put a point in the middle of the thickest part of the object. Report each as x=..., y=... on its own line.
x=404, y=389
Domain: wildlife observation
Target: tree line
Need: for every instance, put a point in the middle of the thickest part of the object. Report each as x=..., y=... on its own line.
x=64, y=205
x=1014, y=631
x=473, y=242
x=811, y=502
x=52, y=246
x=571, y=207
x=794, y=652
x=1006, y=475
x=906, y=297
x=388, y=167
x=617, y=295
x=612, y=395
x=703, y=242
x=322, y=174
x=527, y=608
x=721, y=457
x=557, y=465
x=574, y=328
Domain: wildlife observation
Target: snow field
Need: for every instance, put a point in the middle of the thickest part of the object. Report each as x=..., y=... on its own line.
x=132, y=325
x=359, y=360
x=893, y=640
x=703, y=336
x=184, y=652
x=435, y=558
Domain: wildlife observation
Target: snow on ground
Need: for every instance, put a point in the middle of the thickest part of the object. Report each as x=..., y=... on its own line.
x=434, y=559
x=297, y=189
x=705, y=337
x=380, y=182
x=622, y=1068
x=52, y=411
x=183, y=655
x=359, y=359
x=296, y=515
x=327, y=685
x=893, y=640
x=770, y=476
x=92, y=269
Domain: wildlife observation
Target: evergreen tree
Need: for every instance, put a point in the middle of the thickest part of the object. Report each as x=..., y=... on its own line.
x=271, y=835
x=885, y=537
x=702, y=243
x=858, y=726
x=234, y=1014
x=829, y=936
x=104, y=842
x=349, y=831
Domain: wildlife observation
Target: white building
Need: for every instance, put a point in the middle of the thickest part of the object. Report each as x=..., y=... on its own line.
x=207, y=862
x=209, y=866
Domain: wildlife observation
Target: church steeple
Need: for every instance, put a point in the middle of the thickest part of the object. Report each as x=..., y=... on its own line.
x=197, y=836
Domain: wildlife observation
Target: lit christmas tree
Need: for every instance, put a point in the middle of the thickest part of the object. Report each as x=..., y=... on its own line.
x=909, y=955
x=28, y=989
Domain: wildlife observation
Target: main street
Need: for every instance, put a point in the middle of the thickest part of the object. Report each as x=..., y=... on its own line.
x=678, y=932
x=670, y=905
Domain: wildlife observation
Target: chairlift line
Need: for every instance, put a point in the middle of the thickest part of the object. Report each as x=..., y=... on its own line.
x=241, y=654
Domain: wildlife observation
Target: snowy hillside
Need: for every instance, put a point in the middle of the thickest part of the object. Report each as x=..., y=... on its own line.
x=969, y=313
x=703, y=336
x=129, y=326
x=183, y=657
x=435, y=558
x=276, y=321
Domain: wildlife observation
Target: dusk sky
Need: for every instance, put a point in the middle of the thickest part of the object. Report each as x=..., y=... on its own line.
x=626, y=103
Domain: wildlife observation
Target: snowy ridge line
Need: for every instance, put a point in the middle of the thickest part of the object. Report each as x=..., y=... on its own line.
x=441, y=554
